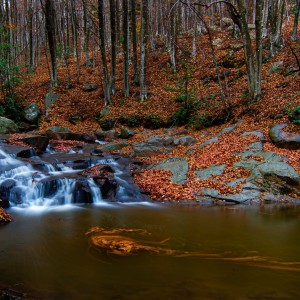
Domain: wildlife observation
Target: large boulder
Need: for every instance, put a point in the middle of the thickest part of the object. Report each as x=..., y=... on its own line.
x=154, y=145
x=204, y=174
x=111, y=147
x=276, y=177
x=32, y=113
x=105, y=135
x=36, y=141
x=8, y=126
x=50, y=98
x=283, y=139
x=178, y=166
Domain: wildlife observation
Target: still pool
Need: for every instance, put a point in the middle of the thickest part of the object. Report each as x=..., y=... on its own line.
x=231, y=252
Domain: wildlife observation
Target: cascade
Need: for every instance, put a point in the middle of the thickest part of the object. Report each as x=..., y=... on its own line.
x=59, y=179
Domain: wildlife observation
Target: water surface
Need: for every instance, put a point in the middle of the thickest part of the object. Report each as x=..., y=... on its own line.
x=235, y=252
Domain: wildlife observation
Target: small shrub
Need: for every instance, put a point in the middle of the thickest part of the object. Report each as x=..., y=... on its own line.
x=131, y=121
x=153, y=121
x=180, y=117
x=107, y=124
x=294, y=115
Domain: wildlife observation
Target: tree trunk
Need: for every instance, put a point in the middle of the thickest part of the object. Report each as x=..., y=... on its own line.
x=143, y=46
x=134, y=44
x=125, y=48
x=50, y=28
x=106, y=88
x=296, y=20
x=113, y=37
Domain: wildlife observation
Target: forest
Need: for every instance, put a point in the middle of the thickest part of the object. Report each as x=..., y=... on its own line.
x=159, y=80
x=149, y=149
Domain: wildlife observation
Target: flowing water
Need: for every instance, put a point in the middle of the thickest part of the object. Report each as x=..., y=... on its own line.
x=224, y=252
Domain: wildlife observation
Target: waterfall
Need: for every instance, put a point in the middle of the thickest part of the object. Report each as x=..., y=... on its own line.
x=64, y=179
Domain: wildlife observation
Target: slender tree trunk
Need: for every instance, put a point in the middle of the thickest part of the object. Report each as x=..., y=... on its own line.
x=143, y=46
x=296, y=21
x=125, y=49
x=50, y=28
x=113, y=46
x=134, y=44
x=106, y=88
x=86, y=30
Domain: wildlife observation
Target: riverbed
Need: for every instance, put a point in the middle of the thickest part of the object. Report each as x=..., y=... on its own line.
x=223, y=252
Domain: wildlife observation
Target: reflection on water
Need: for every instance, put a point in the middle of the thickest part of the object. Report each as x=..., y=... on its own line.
x=217, y=253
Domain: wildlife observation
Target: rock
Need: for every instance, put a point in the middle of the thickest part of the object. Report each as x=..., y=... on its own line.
x=154, y=145
x=210, y=141
x=227, y=130
x=50, y=98
x=217, y=42
x=276, y=177
x=257, y=133
x=236, y=47
x=126, y=133
x=75, y=119
x=214, y=28
x=227, y=21
x=38, y=142
x=111, y=147
x=210, y=192
x=282, y=139
x=90, y=87
x=18, y=151
x=5, y=188
x=185, y=141
x=32, y=113
x=105, y=111
x=58, y=129
x=178, y=166
x=82, y=191
x=276, y=67
x=204, y=174
x=105, y=135
x=8, y=126
x=245, y=196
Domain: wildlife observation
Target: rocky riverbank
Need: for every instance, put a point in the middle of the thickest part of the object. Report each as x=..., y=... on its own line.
x=227, y=165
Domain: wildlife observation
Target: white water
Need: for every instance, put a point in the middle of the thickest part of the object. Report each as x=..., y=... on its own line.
x=25, y=185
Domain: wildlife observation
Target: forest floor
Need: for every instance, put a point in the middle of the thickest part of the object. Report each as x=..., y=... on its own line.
x=281, y=92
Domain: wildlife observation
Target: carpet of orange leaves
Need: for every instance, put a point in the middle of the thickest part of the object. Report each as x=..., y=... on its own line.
x=279, y=93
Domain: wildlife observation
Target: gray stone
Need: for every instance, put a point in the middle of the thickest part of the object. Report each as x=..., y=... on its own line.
x=282, y=139
x=111, y=147
x=32, y=113
x=217, y=42
x=148, y=149
x=126, y=133
x=257, y=133
x=90, y=87
x=104, y=112
x=249, y=164
x=227, y=130
x=50, y=98
x=204, y=174
x=277, y=177
x=244, y=196
x=257, y=146
x=210, y=192
x=236, y=47
x=178, y=166
x=276, y=67
x=185, y=141
x=210, y=141
x=227, y=21
x=105, y=135
x=8, y=126
x=59, y=129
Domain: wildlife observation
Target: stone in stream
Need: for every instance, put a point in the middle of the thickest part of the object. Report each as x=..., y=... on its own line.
x=204, y=174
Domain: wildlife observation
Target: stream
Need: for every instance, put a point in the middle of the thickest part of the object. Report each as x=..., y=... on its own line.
x=218, y=252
